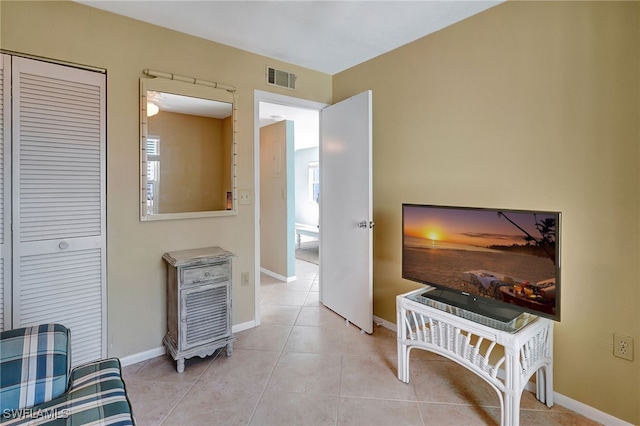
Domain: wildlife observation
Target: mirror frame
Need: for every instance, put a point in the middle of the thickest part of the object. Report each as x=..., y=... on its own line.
x=160, y=84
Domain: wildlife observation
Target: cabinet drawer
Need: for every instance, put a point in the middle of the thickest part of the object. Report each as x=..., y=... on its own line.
x=215, y=272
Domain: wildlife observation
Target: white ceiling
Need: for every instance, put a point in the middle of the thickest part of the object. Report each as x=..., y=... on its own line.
x=306, y=122
x=190, y=105
x=326, y=36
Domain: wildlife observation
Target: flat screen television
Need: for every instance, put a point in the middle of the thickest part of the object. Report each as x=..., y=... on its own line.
x=498, y=263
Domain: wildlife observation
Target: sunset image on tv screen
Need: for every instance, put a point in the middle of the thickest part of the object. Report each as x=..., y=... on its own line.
x=508, y=256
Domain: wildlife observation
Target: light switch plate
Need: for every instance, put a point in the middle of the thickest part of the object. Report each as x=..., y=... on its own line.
x=244, y=196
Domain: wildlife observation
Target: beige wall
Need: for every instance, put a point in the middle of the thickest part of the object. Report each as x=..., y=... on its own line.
x=531, y=105
x=191, y=162
x=76, y=33
x=274, y=205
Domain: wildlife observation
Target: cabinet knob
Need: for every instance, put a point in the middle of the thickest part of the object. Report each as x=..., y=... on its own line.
x=63, y=245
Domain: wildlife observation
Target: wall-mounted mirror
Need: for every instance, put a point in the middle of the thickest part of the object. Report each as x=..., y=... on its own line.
x=187, y=150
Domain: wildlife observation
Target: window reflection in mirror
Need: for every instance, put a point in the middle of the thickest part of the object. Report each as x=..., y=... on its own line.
x=187, y=152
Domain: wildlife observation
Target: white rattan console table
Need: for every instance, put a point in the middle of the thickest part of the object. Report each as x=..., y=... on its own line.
x=470, y=339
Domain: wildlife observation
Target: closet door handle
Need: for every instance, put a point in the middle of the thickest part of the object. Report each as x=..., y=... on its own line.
x=63, y=245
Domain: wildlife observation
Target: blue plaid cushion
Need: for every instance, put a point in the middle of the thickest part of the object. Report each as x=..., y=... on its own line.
x=96, y=396
x=34, y=365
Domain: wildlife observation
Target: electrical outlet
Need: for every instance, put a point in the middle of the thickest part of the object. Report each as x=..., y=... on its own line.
x=244, y=278
x=623, y=346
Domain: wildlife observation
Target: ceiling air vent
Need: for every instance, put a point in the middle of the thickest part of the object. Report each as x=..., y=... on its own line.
x=281, y=78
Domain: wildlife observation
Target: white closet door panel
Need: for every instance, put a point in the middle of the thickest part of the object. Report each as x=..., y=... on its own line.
x=3, y=301
x=58, y=202
x=60, y=156
x=73, y=281
x=5, y=79
x=5, y=192
x=3, y=139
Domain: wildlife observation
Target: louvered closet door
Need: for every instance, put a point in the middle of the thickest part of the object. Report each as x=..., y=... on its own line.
x=58, y=202
x=5, y=192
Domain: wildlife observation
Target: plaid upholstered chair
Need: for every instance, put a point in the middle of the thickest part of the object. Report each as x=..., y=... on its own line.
x=38, y=387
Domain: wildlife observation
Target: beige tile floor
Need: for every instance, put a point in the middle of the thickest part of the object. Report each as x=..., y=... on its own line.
x=305, y=366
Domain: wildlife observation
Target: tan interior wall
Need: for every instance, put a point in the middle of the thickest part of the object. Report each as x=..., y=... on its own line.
x=191, y=162
x=273, y=205
x=72, y=32
x=531, y=105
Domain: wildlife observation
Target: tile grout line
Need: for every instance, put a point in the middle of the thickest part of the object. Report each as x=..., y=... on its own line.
x=340, y=388
x=162, y=420
x=195, y=381
x=266, y=385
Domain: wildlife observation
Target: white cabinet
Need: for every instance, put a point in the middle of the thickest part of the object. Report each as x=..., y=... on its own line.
x=198, y=303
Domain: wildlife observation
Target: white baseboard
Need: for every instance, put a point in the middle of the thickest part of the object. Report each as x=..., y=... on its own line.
x=278, y=276
x=579, y=407
x=142, y=356
x=243, y=326
x=588, y=411
x=159, y=351
x=384, y=323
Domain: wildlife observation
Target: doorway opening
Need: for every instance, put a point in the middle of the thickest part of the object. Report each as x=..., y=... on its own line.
x=287, y=179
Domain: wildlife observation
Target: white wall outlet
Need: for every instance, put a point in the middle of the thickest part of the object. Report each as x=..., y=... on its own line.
x=244, y=278
x=244, y=196
x=623, y=346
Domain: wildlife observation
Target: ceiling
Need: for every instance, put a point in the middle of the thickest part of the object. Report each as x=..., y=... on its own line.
x=322, y=35
x=325, y=36
x=189, y=105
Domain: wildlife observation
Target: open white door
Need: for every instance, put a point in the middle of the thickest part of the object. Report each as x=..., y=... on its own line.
x=346, y=210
